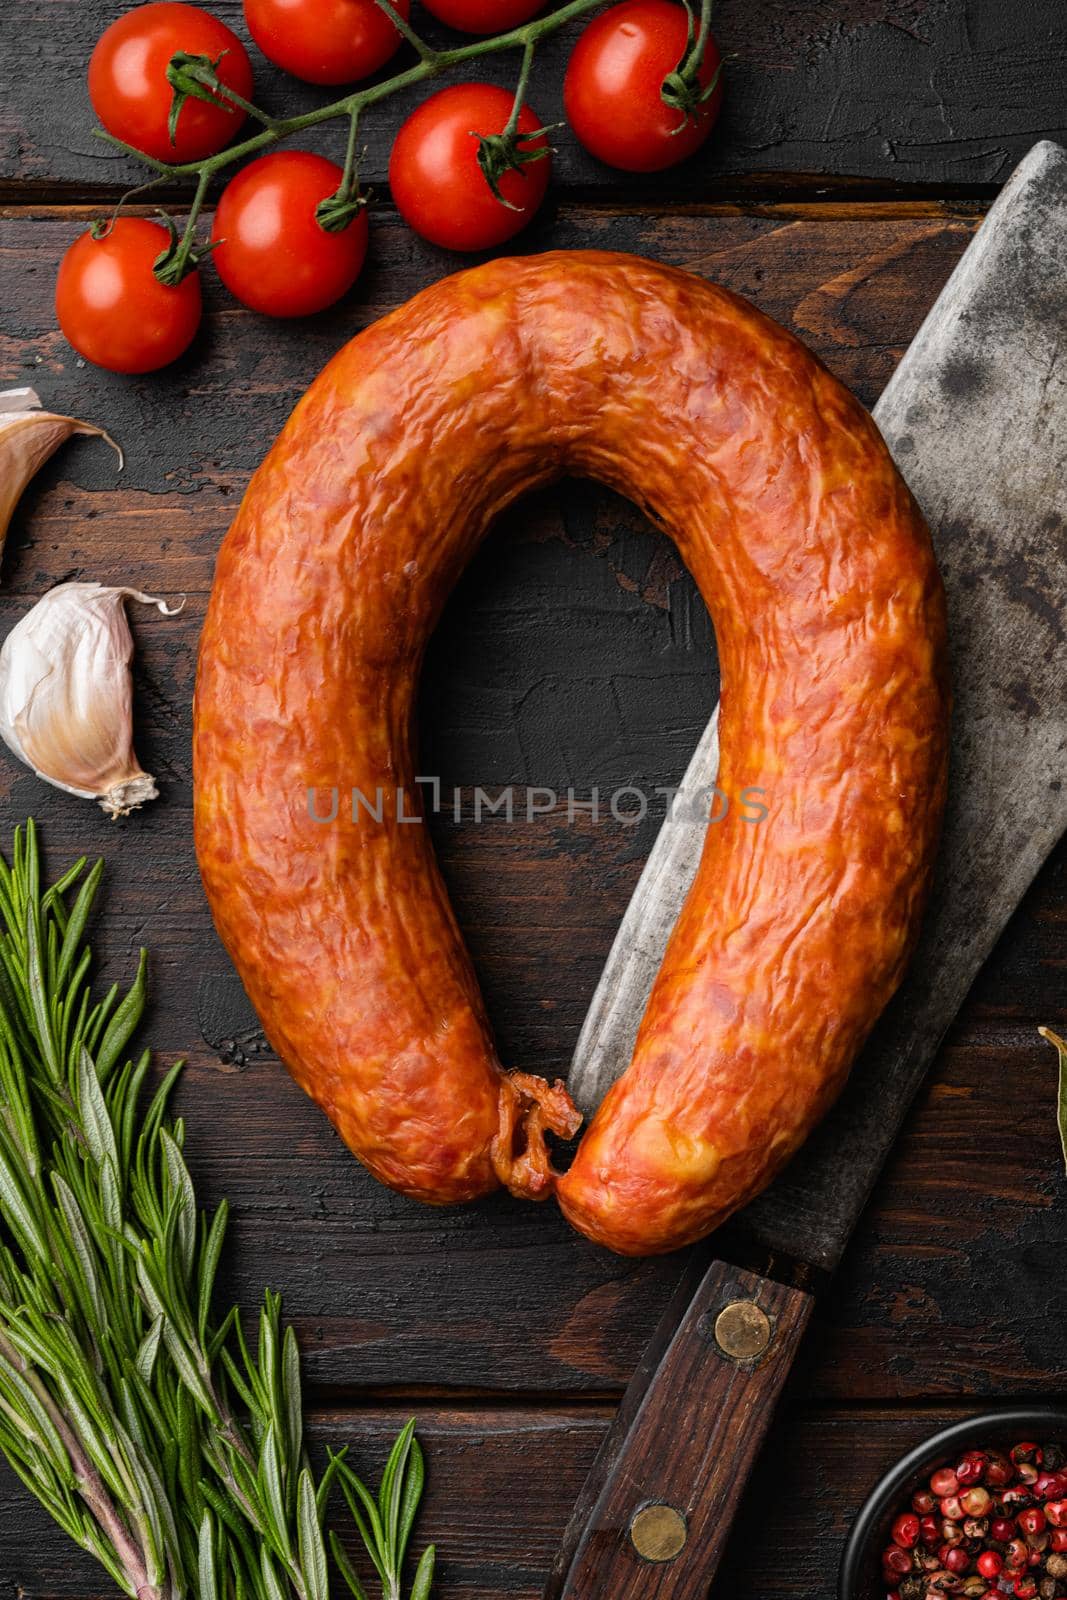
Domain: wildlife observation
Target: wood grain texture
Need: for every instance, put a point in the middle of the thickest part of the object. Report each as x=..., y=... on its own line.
x=689, y=1446
x=555, y=663
x=902, y=93
x=500, y=1486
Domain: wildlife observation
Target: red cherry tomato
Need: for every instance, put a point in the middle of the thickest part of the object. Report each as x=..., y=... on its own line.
x=436, y=181
x=113, y=308
x=484, y=16
x=612, y=88
x=325, y=41
x=272, y=252
x=128, y=80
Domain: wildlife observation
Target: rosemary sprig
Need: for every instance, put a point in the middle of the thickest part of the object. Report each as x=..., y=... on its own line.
x=385, y=1522
x=151, y=1432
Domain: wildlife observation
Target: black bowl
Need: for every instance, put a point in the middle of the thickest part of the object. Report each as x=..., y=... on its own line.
x=861, y=1570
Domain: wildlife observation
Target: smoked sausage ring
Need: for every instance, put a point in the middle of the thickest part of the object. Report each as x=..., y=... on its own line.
x=819, y=575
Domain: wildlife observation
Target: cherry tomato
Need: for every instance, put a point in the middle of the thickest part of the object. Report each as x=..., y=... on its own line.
x=436, y=181
x=128, y=80
x=484, y=16
x=612, y=88
x=325, y=41
x=113, y=308
x=272, y=253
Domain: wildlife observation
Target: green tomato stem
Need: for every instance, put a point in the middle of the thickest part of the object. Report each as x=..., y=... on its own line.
x=348, y=181
x=336, y=212
x=682, y=89
x=402, y=25
x=233, y=98
x=512, y=123
x=704, y=29
x=184, y=260
x=430, y=66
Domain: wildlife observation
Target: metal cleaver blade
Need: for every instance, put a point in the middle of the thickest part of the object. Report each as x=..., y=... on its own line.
x=976, y=418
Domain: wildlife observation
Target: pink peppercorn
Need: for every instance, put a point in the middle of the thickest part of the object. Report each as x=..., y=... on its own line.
x=906, y=1530
x=971, y=1468
x=1032, y=1520
x=1017, y=1554
x=990, y=1527
x=976, y=1502
x=896, y=1560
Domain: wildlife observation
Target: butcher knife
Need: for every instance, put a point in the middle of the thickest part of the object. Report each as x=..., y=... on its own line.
x=976, y=418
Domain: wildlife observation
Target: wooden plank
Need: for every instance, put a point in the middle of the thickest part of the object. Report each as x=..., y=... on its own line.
x=855, y=290
x=500, y=1486
x=900, y=92
x=948, y=1289
x=553, y=665
x=945, y=1291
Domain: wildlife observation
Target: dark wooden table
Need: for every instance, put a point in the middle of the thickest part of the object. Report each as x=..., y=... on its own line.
x=860, y=143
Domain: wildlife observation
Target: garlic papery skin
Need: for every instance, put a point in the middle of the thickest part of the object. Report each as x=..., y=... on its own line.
x=66, y=694
x=28, y=436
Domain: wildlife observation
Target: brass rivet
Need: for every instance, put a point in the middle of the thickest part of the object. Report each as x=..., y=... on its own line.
x=742, y=1331
x=658, y=1533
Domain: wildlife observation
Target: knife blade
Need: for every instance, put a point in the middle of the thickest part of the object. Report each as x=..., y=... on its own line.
x=976, y=417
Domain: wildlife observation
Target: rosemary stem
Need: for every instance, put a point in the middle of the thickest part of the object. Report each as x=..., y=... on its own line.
x=89, y=1483
x=231, y=1432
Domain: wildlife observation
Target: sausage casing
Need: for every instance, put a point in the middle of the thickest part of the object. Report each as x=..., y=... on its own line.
x=820, y=578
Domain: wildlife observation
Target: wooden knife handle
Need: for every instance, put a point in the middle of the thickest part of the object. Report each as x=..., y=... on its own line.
x=660, y=1522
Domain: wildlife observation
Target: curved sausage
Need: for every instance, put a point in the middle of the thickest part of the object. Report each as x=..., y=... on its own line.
x=820, y=578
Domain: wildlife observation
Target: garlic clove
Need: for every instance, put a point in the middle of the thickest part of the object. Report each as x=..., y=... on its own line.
x=28, y=436
x=66, y=694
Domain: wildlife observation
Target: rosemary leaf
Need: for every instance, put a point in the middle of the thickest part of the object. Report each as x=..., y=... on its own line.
x=209, y=1588
x=424, y=1574
x=272, y=1589
x=291, y=1396
x=346, y=1569
x=214, y=1239
x=391, y=1491
x=365, y=1516
x=411, y=1496
x=270, y=1484
x=1061, y=1099
x=310, y=1540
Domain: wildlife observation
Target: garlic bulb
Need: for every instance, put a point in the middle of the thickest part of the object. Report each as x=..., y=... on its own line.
x=28, y=436
x=66, y=694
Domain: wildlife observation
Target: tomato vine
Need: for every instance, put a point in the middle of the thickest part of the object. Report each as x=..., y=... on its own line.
x=196, y=77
